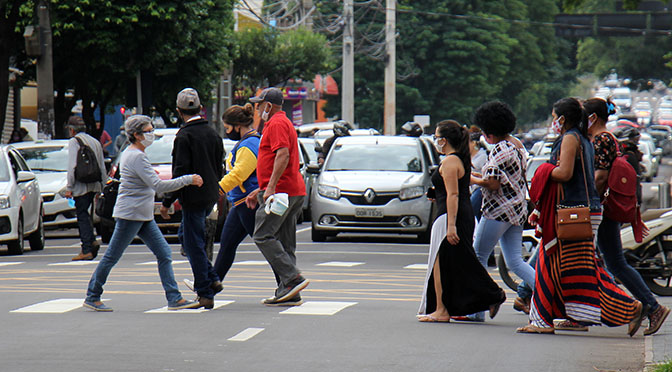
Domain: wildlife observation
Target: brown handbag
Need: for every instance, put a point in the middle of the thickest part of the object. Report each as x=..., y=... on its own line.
x=573, y=223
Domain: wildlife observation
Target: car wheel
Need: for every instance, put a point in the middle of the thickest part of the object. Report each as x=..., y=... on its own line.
x=317, y=236
x=649, y=179
x=425, y=236
x=36, y=239
x=17, y=246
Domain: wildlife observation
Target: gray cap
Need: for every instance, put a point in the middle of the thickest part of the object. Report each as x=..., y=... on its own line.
x=188, y=99
x=135, y=123
x=272, y=95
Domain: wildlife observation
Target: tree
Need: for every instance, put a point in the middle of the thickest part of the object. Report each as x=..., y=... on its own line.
x=269, y=57
x=100, y=45
x=9, y=18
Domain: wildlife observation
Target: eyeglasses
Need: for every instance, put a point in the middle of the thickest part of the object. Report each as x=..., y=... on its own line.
x=151, y=131
x=434, y=137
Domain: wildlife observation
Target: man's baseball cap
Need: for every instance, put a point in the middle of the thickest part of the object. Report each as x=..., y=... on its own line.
x=188, y=99
x=272, y=95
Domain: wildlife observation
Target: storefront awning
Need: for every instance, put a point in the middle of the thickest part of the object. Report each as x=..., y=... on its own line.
x=326, y=85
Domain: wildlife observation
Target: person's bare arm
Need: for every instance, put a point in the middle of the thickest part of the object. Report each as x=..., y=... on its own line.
x=279, y=166
x=451, y=169
x=601, y=177
x=565, y=167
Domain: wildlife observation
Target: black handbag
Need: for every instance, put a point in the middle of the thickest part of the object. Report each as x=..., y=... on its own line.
x=107, y=198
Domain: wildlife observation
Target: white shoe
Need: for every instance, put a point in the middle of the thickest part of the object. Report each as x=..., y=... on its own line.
x=189, y=284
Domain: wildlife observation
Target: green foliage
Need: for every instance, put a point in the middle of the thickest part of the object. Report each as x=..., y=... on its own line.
x=663, y=367
x=268, y=57
x=461, y=63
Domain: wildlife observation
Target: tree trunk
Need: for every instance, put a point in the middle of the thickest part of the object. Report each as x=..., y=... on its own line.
x=9, y=15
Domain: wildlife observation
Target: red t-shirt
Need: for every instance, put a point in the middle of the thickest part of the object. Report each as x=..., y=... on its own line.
x=279, y=132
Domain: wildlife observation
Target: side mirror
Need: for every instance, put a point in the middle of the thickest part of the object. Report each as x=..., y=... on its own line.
x=24, y=176
x=313, y=169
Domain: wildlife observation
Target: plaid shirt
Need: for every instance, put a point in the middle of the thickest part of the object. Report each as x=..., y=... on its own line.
x=506, y=163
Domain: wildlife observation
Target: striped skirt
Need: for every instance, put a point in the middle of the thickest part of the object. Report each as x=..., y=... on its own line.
x=571, y=284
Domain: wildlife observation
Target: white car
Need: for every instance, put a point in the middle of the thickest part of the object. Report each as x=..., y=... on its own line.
x=49, y=161
x=20, y=203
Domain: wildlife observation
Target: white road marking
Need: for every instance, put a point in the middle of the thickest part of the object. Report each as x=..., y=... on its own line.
x=164, y=310
x=75, y=245
x=74, y=263
x=304, y=229
x=416, y=267
x=246, y=334
x=340, y=264
x=61, y=305
x=154, y=262
x=251, y=263
x=10, y=263
x=318, y=308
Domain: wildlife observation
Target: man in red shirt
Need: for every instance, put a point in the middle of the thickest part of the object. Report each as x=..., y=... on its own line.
x=278, y=172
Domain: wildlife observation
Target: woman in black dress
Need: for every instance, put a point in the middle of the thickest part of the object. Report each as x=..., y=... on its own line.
x=456, y=283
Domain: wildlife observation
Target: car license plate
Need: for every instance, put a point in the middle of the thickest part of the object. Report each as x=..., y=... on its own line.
x=369, y=212
x=157, y=209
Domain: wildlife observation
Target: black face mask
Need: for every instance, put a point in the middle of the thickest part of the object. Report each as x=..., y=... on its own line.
x=234, y=135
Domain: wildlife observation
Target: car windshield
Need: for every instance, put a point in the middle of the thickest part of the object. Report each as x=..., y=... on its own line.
x=374, y=157
x=622, y=96
x=46, y=159
x=310, y=149
x=4, y=170
x=160, y=152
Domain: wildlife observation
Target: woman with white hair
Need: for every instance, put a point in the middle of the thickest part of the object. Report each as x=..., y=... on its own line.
x=134, y=215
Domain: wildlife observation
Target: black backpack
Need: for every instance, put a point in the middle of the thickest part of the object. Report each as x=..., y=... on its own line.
x=86, y=168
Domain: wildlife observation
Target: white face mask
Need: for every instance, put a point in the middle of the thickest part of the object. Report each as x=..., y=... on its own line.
x=556, y=127
x=264, y=114
x=149, y=139
x=438, y=147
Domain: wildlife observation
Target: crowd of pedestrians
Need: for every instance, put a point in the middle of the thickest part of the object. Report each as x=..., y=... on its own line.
x=568, y=287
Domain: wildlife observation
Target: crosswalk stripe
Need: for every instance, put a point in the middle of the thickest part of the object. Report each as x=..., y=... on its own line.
x=250, y=263
x=416, y=267
x=318, y=308
x=246, y=334
x=10, y=263
x=164, y=310
x=61, y=305
x=340, y=264
x=74, y=263
x=148, y=263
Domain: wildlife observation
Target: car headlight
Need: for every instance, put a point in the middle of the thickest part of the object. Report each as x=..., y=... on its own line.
x=4, y=202
x=330, y=192
x=411, y=192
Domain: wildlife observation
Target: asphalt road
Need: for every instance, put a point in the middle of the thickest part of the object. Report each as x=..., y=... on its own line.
x=363, y=289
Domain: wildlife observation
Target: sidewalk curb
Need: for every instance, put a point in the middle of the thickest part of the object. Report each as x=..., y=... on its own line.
x=648, y=354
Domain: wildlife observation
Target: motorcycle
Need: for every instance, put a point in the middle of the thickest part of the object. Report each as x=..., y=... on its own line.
x=652, y=258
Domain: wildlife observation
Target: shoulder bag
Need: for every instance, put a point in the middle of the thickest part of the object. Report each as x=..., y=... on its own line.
x=573, y=223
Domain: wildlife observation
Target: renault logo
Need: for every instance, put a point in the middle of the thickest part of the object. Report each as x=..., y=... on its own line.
x=369, y=195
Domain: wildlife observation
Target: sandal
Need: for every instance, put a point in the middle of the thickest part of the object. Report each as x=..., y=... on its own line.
x=534, y=329
x=495, y=308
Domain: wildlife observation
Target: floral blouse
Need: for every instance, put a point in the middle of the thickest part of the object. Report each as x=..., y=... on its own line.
x=605, y=151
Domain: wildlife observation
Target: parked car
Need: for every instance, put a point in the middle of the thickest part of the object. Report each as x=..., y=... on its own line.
x=49, y=161
x=662, y=136
x=160, y=156
x=622, y=97
x=649, y=161
x=534, y=163
x=21, y=207
x=373, y=184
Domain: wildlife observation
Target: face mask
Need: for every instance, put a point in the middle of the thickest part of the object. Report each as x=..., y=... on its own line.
x=149, y=139
x=556, y=127
x=233, y=135
x=438, y=147
x=264, y=115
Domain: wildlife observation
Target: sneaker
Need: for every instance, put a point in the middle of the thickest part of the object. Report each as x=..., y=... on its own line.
x=292, y=289
x=99, y=306
x=273, y=301
x=522, y=305
x=216, y=286
x=637, y=318
x=656, y=319
x=569, y=325
x=185, y=304
x=467, y=318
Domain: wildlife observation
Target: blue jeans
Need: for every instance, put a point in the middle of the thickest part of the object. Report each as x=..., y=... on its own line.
x=609, y=244
x=239, y=224
x=192, y=236
x=510, y=238
x=84, y=222
x=124, y=233
x=476, y=202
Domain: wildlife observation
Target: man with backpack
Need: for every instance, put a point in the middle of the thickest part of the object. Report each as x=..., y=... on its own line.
x=86, y=175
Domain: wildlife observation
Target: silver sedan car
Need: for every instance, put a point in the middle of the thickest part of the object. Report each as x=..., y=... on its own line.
x=373, y=184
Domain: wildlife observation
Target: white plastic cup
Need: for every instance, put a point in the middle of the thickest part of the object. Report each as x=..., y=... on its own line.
x=277, y=204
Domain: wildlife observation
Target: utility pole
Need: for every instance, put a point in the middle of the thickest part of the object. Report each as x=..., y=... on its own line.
x=348, y=81
x=390, y=126
x=45, y=75
x=138, y=92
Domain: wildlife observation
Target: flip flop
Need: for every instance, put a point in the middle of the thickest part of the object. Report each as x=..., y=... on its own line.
x=432, y=319
x=534, y=329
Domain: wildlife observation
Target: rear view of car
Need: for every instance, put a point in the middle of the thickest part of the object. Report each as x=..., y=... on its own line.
x=373, y=184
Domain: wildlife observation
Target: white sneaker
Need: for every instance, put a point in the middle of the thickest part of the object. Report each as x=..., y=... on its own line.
x=189, y=284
